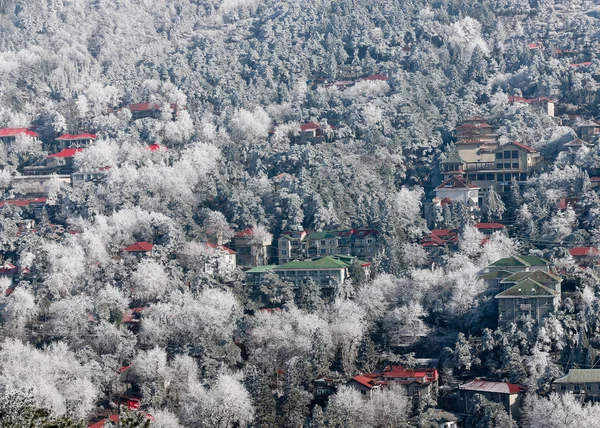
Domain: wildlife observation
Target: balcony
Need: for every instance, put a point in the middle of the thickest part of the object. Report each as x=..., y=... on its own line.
x=480, y=166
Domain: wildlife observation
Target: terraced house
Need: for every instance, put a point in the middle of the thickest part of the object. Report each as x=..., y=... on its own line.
x=300, y=245
x=328, y=272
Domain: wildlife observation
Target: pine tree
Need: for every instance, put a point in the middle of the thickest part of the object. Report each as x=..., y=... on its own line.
x=310, y=298
x=320, y=358
x=263, y=399
x=493, y=207
x=317, y=418
x=367, y=357
x=293, y=404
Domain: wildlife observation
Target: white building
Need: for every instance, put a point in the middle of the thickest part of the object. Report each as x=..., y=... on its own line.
x=456, y=188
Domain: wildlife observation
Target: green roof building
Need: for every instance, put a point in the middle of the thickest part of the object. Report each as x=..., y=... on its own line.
x=527, y=298
x=583, y=383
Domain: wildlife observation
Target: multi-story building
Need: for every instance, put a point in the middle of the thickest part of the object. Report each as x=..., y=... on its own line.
x=527, y=298
x=9, y=135
x=483, y=162
x=75, y=140
x=584, y=384
x=329, y=273
x=544, y=104
x=252, y=250
x=314, y=133
x=509, y=395
x=520, y=264
x=299, y=245
x=418, y=383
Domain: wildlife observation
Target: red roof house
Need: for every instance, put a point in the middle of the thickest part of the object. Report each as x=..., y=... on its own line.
x=66, y=153
x=156, y=148
x=24, y=202
x=76, y=137
x=139, y=247
x=15, y=132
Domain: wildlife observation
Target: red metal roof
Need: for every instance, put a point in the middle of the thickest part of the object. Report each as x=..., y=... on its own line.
x=143, y=107
x=487, y=226
x=364, y=381
x=489, y=386
x=66, y=153
x=220, y=247
x=533, y=46
x=581, y=64
x=456, y=182
x=23, y=202
x=144, y=247
x=100, y=424
x=245, y=232
x=14, y=132
x=69, y=137
x=156, y=147
x=374, y=77
x=523, y=146
x=584, y=251
x=310, y=126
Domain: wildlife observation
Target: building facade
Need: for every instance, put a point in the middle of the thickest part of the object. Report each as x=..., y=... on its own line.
x=584, y=384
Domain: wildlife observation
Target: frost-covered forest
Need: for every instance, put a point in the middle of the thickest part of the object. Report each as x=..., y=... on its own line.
x=197, y=110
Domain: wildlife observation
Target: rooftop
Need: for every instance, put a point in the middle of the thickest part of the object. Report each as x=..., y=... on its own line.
x=66, y=153
x=71, y=137
x=584, y=251
x=14, y=132
x=327, y=262
x=139, y=247
x=525, y=261
x=489, y=386
x=527, y=288
x=456, y=182
x=580, y=376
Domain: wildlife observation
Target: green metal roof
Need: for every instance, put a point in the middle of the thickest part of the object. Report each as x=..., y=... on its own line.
x=527, y=288
x=328, y=262
x=526, y=261
x=580, y=376
x=540, y=276
x=321, y=235
x=496, y=274
x=261, y=269
x=453, y=158
x=535, y=261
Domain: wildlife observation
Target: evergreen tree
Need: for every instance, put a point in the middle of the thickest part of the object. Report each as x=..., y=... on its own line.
x=367, y=356
x=309, y=298
x=317, y=418
x=294, y=402
x=263, y=400
x=320, y=357
x=493, y=207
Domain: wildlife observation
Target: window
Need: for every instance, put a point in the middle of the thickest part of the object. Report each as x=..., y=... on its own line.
x=323, y=250
x=322, y=242
x=506, y=166
x=499, y=176
x=515, y=154
x=499, y=156
x=332, y=242
x=481, y=177
x=588, y=387
x=369, y=241
x=472, y=177
x=506, y=155
x=363, y=392
x=576, y=388
x=283, y=252
x=489, y=177
x=563, y=387
x=499, y=165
